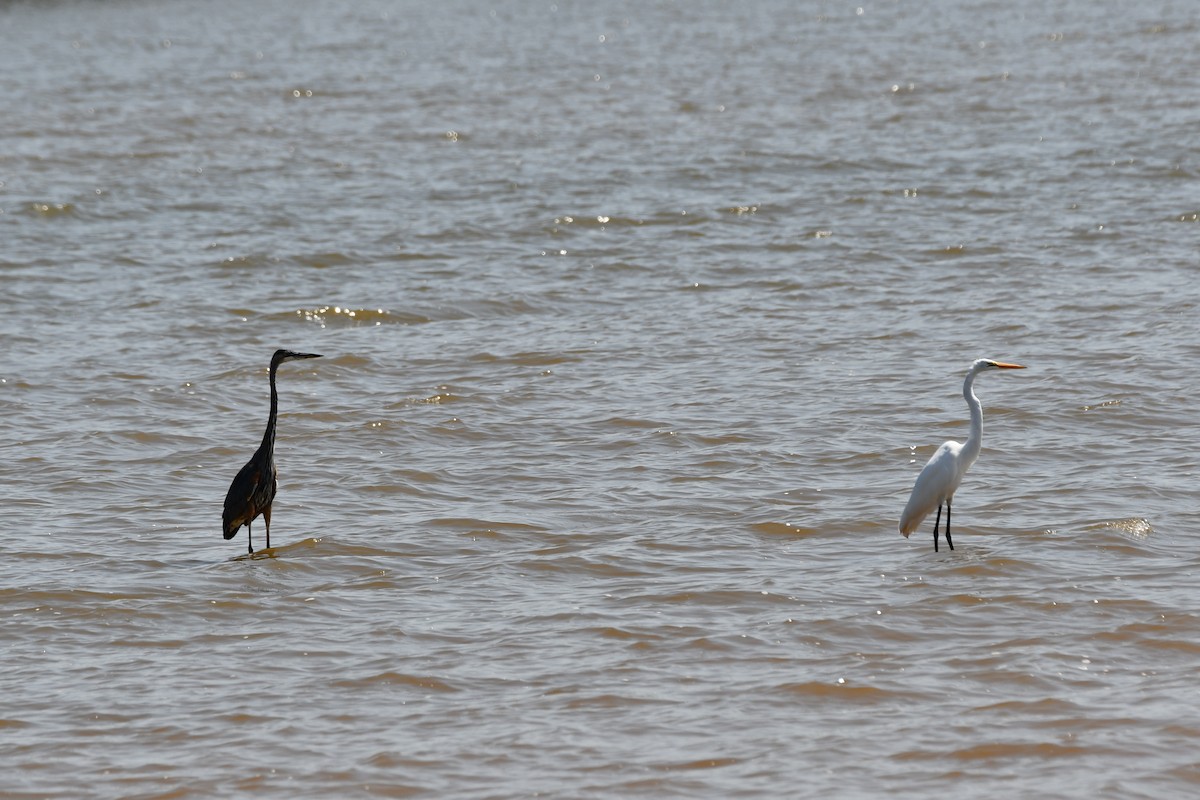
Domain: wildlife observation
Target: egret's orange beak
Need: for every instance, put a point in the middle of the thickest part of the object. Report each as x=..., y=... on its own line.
x=1002, y=365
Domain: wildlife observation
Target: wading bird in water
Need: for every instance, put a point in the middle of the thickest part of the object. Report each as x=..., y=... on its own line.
x=253, y=489
x=946, y=467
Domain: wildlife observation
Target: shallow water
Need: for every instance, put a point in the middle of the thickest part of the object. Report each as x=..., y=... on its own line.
x=638, y=323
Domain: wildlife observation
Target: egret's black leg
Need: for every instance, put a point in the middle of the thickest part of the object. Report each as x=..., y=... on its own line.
x=937, y=522
x=267, y=522
x=250, y=545
x=948, y=526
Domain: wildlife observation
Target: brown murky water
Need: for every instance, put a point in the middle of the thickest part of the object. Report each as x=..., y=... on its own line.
x=638, y=322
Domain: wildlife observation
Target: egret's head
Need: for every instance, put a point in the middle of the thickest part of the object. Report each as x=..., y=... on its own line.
x=983, y=364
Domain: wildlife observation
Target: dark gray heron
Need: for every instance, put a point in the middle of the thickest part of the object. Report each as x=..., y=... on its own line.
x=253, y=489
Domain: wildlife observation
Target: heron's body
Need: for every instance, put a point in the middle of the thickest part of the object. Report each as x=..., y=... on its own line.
x=251, y=495
x=944, y=471
x=253, y=490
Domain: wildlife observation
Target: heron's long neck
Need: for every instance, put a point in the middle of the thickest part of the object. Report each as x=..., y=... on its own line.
x=974, y=441
x=268, y=442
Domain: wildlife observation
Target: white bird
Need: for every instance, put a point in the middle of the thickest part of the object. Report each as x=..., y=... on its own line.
x=945, y=469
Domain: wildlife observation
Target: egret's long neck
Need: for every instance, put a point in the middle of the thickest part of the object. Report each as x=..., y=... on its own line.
x=974, y=441
x=268, y=442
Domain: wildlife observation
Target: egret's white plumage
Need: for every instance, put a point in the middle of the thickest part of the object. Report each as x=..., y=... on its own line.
x=944, y=471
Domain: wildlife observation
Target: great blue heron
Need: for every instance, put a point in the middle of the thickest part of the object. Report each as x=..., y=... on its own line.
x=253, y=489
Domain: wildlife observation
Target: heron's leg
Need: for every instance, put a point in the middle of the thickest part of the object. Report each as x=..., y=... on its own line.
x=249, y=543
x=948, y=526
x=267, y=522
x=937, y=522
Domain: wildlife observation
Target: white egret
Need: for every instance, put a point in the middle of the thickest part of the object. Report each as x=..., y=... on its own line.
x=945, y=469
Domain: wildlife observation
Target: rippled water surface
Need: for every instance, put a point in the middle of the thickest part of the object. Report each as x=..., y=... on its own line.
x=638, y=321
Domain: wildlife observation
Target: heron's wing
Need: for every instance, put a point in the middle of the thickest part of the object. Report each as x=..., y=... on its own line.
x=239, y=501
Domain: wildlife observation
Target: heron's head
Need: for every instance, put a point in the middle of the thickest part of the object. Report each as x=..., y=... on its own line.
x=983, y=364
x=289, y=355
